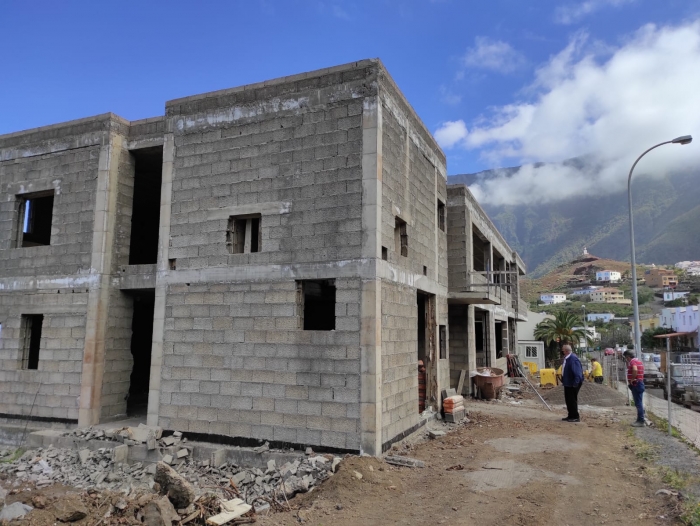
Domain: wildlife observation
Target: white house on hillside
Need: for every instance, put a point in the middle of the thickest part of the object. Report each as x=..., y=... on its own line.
x=605, y=317
x=670, y=295
x=585, y=290
x=552, y=298
x=612, y=276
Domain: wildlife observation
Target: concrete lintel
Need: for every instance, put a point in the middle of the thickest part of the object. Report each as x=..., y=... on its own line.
x=150, y=142
x=36, y=283
x=30, y=187
x=271, y=208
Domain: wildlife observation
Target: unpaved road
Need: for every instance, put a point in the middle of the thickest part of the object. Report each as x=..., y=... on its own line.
x=521, y=466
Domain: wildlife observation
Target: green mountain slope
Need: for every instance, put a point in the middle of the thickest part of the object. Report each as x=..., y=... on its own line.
x=667, y=224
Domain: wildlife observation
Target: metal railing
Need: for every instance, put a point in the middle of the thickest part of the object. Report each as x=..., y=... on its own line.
x=497, y=283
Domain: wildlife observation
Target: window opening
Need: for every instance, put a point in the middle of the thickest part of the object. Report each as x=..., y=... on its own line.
x=141, y=343
x=145, y=212
x=425, y=270
x=443, y=342
x=385, y=253
x=35, y=217
x=441, y=215
x=317, y=304
x=244, y=234
x=30, y=331
x=530, y=351
x=401, y=237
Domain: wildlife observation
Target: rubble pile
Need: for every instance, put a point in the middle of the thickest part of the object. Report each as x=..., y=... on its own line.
x=98, y=469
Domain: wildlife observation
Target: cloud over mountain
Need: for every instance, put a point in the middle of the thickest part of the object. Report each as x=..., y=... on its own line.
x=605, y=103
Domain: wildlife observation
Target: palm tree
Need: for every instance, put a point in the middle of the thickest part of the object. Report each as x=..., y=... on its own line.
x=561, y=330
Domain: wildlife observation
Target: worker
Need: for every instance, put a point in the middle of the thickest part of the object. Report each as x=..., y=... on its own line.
x=635, y=381
x=597, y=372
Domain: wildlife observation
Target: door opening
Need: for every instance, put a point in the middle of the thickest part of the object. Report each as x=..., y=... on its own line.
x=425, y=345
x=141, y=338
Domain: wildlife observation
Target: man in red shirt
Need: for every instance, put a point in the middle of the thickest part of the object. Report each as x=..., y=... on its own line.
x=635, y=381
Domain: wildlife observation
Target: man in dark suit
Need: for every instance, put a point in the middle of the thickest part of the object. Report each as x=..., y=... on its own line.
x=572, y=378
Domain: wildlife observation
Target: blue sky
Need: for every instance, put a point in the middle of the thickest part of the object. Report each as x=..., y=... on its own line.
x=468, y=67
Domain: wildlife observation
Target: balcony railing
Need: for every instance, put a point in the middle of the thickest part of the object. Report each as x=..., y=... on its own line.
x=501, y=284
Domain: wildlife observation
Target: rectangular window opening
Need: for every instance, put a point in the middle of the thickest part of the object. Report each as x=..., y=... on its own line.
x=441, y=215
x=317, y=304
x=30, y=330
x=35, y=217
x=401, y=237
x=172, y=264
x=425, y=270
x=145, y=213
x=443, y=342
x=244, y=234
x=385, y=253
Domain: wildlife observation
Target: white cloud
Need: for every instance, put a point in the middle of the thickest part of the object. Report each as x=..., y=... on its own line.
x=450, y=134
x=494, y=55
x=608, y=108
x=571, y=13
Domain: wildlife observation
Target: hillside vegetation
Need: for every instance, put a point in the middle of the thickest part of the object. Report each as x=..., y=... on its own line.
x=667, y=223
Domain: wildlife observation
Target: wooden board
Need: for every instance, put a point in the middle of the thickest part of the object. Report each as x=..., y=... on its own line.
x=460, y=385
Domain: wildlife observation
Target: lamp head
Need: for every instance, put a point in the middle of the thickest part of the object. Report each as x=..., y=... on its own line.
x=683, y=139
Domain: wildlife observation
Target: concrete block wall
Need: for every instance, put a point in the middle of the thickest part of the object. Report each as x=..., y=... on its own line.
x=236, y=363
x=399, y=359
x=459, y=344
x=118, y=361
x=54, y=387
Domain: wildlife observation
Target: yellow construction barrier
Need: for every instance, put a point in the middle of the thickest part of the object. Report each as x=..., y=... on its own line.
x=532, y=366
x=548, y=377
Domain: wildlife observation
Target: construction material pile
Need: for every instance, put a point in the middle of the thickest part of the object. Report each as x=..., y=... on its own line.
x=453, y=406
x=589, y=394
x=98, y=469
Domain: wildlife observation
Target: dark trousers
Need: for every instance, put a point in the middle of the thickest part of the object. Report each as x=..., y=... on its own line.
x=598, y=379
x=571, y=398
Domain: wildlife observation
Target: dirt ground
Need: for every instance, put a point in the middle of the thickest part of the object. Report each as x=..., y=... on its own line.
x=511, y=465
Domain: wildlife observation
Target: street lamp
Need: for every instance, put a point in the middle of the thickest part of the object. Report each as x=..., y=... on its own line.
x=685, y=139
x=585, y=328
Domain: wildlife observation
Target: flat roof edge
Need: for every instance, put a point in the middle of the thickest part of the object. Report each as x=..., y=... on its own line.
x=65, y=124
x=276, y=81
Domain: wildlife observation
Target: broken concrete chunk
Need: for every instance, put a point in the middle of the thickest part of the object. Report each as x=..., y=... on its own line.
x=69, y=509
x=334, y=465
x=14, y=511
x=84, y=455
x=151, y=444
x=177, y=434
x=180, y=492
x=271, y=466
x=168, y=459
x=357, y=474
x=294, y=485
x=182, y=453
x=309, y=451
x=436, y=434
x=231, y=511
x=120, y=454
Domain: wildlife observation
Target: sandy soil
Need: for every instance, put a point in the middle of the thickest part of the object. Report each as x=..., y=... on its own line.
x=511, y=465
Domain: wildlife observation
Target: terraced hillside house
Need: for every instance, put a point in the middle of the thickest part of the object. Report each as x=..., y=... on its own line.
x=484, y=293
x=266, y=262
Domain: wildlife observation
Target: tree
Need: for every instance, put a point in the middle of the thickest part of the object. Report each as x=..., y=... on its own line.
x=648, y=340
x=644, y=295
x=678, y=302
x=561, y=330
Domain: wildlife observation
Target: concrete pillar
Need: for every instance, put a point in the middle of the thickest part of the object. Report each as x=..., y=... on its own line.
x=490, y=326
x=471, y=343
x=98, y=294
x=371, y=293
x=163, y=267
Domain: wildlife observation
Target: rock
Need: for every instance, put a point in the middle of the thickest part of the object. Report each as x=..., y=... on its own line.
x=436, y=434
x=180, y=492
x=271, y=466
x=309, y=451
x=39, y=501
x=69, y=509
x=357, y=474
x=168, y=441
x=14, y=511
x=666, y=492
x=3, y=494
x=177, y=434
x=294, y=485
x=182, y=453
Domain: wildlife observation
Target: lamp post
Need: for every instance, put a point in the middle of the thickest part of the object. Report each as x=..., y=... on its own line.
x=585, y=328
x=685, y=139
x=668, y=379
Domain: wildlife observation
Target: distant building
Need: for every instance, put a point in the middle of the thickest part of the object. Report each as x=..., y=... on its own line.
x=611, y=276
x=595, y=335
x=692, y=268
x=670, y=295
x=605, y=317
x=657, y=278
x=530, y=349
x=684, y=320
x=585, y=290
x=553, y=298
x=609, y=295
x=650, y=323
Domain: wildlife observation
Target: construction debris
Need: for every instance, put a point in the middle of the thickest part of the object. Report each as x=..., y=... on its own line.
x=404, y=461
